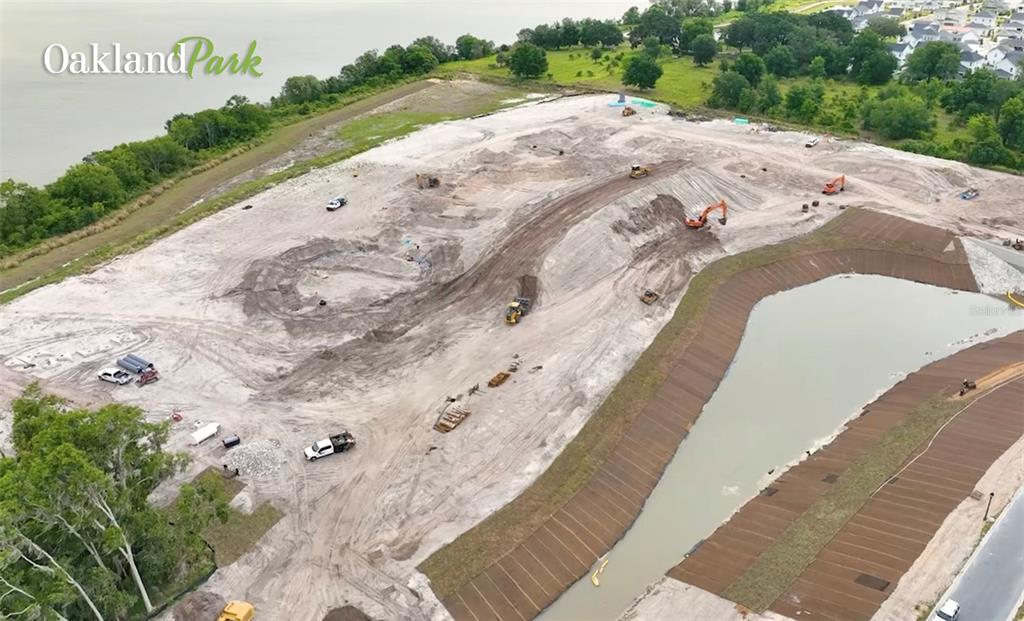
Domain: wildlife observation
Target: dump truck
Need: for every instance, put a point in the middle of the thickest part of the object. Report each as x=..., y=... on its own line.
x=451, y=417
x=339, y=443
x=517, y=309
x=237, y=611
x=498, y=379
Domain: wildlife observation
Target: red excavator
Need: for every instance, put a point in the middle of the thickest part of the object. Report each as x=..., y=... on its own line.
x=835, y=186
x=700, y=221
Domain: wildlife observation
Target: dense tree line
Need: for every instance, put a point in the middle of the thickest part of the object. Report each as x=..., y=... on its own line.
x=79, y=538
x=569, y=32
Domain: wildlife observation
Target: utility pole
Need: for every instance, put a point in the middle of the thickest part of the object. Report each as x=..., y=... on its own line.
x=991, y=495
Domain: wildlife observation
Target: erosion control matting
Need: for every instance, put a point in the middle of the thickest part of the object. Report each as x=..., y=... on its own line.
x=533, y=571
x=860, y=565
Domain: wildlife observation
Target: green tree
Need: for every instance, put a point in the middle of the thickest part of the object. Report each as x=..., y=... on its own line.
x=631, y=16
x=527, y=60
x=1011, y=123
x=652, y=47
x=692, y=28
x=471, y=48
x=779, y=61
x=769, y=95
x=727, y=88
x=641, y=70
x=985, y=146
x=77, y=531
x=84, y=185
x=934, y=59
x=817, y=67
x=704, y=48
x=804, y=101
x=885, y=27
x=876, y=68
x=440, y=51
x=418, y=60
x=740, y=33
x=300, y=89
x=657, y=23
x=750, y=66
x=898, y=118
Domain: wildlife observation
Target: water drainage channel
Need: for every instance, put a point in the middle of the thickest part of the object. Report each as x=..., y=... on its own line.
x=810, y=358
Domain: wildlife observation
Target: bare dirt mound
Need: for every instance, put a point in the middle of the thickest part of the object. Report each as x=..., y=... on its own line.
x=347, y=613
x=199, y=606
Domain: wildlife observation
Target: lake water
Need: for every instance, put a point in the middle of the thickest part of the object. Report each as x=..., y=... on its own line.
x=48, y=122
x=810, y=358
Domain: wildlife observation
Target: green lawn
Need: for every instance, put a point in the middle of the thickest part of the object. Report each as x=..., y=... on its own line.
x=683, y=84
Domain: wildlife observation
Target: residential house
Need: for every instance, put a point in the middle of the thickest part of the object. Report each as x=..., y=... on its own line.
x=893, y=14
x=984, y=17
x=867, y=7
x=901, y=51
x=1011, y=63
x=846, y=12
x=969, y=60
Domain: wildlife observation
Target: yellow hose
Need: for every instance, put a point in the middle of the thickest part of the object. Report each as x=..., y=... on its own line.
x=1009, y=296
x=594, y=577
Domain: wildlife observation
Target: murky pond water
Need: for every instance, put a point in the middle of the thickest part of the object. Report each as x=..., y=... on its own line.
x=810, y=359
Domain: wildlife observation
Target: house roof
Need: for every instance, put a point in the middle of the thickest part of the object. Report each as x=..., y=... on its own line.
x=897, y=48
x=1002, y=73
x=985, y=14
x=971, y=57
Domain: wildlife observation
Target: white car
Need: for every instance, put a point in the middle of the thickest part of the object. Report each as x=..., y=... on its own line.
x=812, y=141
x=115, y=376
x=337, y=203
x=948, y=612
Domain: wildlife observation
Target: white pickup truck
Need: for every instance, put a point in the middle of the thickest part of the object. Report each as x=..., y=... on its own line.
x=328, y=446
x=115, y=376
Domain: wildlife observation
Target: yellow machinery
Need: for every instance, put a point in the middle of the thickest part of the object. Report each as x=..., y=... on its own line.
x=516, y=309
x=427, y=181
x=639, y=171
x=237, y=611
x=649, y=296
x=628, y=111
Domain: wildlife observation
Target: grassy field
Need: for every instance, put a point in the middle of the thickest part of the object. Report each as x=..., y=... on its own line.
x=683, y=84
x=165, y=216
x=476, y=549
x=783, y=562
x=233, y=538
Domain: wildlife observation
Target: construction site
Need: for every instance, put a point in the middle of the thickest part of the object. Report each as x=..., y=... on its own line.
x=468, y=308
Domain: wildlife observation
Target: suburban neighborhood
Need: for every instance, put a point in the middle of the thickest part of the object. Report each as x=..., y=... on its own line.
x=990, y=34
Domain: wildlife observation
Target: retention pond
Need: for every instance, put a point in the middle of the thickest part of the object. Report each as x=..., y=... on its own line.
x=810, y=359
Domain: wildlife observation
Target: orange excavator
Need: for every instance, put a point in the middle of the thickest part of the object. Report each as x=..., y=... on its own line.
x=700, y=221
x=835, y=186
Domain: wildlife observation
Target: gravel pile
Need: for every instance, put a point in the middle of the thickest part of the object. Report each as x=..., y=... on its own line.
x=994, y=275
x=257, y=460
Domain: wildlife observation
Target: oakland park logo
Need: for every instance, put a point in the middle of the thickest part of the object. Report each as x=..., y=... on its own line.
x=188, y=56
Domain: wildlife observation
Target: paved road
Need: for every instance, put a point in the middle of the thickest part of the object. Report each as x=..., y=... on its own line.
x=991, y=584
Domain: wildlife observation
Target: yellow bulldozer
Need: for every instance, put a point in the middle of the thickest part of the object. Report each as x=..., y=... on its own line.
x=237, y=611
x=517, y=308
x=427, y=181
x=639, y=171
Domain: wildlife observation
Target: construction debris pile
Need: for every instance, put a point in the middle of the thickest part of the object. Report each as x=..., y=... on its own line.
x=259, y=459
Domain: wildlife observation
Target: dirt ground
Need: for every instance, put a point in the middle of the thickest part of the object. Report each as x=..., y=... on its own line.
x=414, y=284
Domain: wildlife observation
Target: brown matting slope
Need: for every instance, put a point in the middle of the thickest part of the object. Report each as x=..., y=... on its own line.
x=563, y=549
x=856, y=571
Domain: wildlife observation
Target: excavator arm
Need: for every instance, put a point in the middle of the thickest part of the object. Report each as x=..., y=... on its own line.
x=835, y=186
x=700, y=221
